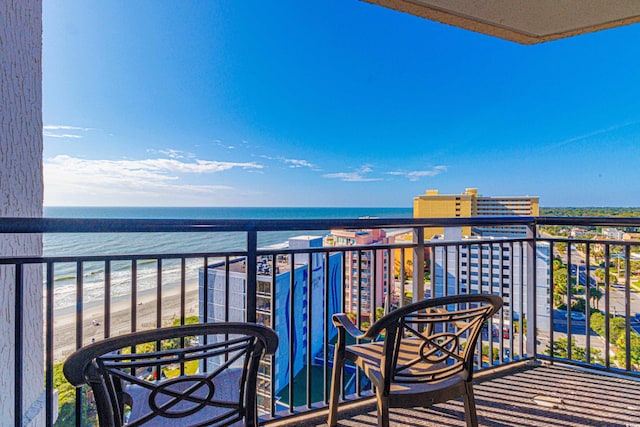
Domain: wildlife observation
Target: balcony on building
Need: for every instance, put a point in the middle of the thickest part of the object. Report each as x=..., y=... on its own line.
x=295, y=288
x=555, y=358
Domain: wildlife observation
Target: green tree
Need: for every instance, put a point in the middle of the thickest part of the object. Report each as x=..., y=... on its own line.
x=561, y=247
x=599, y=273
x=408, y=297
x=190, y=320
x=595, y=295
x=494, y=350
x=617, y=337
x=560, y=350
x=516, y=326
x=67, y=401
x=600, y=276
x=558, y=264
x=560, y=293
x=579, y=305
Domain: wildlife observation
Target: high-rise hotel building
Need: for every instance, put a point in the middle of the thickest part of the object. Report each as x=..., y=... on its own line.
x=485, y=259
x=368, y=273
x=432, y=204
x=283, y=298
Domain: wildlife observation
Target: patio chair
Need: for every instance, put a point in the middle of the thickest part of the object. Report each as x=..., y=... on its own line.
x=204, y=374
x=425, y=355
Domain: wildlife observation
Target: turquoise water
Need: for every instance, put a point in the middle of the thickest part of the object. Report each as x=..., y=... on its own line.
x=136, y=243
x=224, y=213
x=82, y=244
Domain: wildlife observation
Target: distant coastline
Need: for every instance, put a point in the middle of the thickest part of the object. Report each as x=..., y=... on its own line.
x=591, y=211
x=292, y=212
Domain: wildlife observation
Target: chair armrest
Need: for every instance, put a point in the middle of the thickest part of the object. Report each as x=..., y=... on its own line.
x=341, y=320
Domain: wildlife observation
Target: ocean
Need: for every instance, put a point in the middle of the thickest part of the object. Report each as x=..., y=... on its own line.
x=93, y=273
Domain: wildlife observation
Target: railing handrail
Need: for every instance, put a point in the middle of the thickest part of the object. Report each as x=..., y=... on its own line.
x=527, y=272
x=102, y=225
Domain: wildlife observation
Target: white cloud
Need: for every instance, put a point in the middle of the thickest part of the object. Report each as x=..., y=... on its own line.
x=299, y=163
x=71, y=180
x=221, y=144
x=174, y=165
x=62, y=131
x=173, y=154
x=155, y=167
x=416, y=175
x=597, y=132
x=61, y=135
x=293, y=163
x=64, y=127
x=356, y=176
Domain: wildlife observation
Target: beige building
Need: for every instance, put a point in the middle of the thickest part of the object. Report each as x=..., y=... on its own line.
x=469, y=204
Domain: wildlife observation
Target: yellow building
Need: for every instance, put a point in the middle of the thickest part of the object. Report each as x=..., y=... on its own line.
x=432, y=204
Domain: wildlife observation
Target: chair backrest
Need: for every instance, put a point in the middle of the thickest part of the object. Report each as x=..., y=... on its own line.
x=434, y=339
x=206, y=371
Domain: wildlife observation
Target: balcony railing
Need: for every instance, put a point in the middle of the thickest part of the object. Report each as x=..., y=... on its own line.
x=570, y=301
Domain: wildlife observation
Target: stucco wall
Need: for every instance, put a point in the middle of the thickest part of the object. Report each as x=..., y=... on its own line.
x=21, y=192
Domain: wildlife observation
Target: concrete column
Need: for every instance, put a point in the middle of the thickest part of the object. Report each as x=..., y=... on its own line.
x=21, y=195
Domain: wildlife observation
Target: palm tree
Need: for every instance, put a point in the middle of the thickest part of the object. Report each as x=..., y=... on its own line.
x=595, y=295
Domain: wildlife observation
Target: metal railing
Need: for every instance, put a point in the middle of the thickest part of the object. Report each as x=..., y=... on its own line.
x=295, y=291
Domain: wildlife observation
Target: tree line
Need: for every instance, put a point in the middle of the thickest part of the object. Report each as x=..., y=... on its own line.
x=591, y=211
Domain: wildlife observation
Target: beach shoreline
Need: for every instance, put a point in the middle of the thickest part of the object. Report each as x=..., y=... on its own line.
x=93, y=325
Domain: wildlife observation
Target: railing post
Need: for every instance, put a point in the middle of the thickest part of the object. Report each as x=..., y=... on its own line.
x=18, y=342
x=531, y=290
x=252, y=272
x=418, y=264
x=401, y=276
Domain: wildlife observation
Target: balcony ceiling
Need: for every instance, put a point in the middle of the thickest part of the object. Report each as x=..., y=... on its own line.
x=524, y=21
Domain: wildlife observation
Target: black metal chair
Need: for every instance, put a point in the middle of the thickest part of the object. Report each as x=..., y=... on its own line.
x=132, y=389
x=426, y=356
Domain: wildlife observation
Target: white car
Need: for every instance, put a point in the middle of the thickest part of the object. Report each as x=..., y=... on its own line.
x=576, y=315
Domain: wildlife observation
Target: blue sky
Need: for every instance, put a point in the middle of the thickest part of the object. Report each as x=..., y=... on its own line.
x=327, y=103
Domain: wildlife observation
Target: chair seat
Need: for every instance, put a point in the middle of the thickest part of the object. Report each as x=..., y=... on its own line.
x=125, y=380
x=427, y=356
x=368, y=357
x=225, y=389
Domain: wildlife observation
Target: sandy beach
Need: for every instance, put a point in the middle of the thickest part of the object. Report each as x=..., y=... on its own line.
x=64, y=335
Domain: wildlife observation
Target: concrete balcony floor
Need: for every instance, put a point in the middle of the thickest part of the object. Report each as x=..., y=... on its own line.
x=569, y=397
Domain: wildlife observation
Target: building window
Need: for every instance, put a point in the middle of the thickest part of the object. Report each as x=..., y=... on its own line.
x=264, y=287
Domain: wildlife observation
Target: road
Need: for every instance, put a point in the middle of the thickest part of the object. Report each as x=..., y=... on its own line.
x=616, y=293
x=578, y=332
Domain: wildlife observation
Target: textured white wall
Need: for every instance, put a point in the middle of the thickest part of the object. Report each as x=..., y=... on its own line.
x=21, y=190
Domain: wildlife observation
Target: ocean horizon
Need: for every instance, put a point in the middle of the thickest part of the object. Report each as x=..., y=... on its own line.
x=178, y=212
